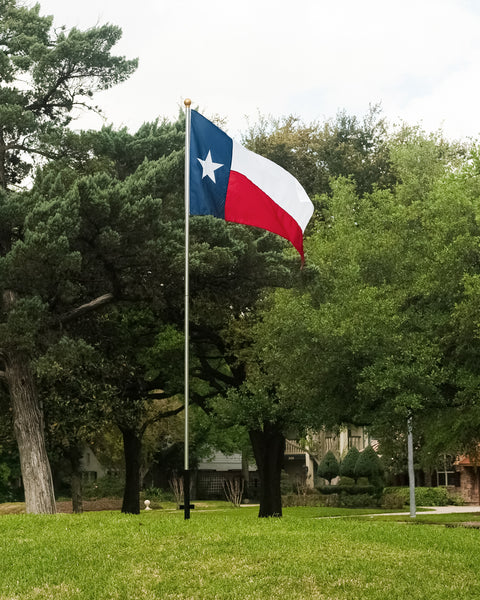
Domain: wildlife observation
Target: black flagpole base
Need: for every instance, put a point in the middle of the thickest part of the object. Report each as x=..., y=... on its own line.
x=186, y=495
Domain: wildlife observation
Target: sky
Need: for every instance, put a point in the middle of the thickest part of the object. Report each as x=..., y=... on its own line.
x=238, y=59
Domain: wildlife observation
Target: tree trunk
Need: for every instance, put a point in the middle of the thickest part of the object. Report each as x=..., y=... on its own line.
x=245, y=474
x=30, y=436
x=132, y=447
x=76, y=481
x=3, y=160
x=269, y=449
x=428, y=478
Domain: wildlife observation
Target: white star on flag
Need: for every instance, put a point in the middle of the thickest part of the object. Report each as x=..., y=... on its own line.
x=209, y=167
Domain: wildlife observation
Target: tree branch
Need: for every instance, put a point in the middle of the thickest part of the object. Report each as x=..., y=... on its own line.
x=161, y=415
x=85, y=308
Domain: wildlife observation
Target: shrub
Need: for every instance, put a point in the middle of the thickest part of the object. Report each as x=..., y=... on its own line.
x=333, y=500
x=157, y=495
x=346, y=481
x=347, y=466
x=328, y=468
x=311, y=499
x=427, y=496
x=351, y=490
x=358, y=500
x=369, y=465
x=110, y=486
x=393, y=500
x=286, y=484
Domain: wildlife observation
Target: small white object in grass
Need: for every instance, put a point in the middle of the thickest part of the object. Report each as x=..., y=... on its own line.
x=147, y=505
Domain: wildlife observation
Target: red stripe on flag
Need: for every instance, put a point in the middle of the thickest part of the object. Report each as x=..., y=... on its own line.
x=249, y=205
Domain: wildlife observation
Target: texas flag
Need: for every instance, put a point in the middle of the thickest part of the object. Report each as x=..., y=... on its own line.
x=235, y=184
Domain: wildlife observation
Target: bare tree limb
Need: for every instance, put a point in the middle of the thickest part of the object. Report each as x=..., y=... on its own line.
x=161, y=415
x=85, y=308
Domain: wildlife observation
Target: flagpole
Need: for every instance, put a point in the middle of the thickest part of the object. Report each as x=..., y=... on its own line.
x=186, y=476
x=411, y=470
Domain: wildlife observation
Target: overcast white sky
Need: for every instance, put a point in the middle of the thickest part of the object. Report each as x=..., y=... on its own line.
x=235, y=58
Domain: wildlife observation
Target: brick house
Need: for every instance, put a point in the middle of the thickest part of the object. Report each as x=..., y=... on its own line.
x=467, y=470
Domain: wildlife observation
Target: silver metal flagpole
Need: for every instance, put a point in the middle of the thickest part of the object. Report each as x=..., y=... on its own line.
x=186, y=477
x=411, y=470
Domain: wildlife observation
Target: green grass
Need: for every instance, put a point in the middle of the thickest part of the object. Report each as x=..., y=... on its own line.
x=224, y=553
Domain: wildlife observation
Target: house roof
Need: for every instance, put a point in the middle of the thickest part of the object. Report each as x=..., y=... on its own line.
x=467, y=461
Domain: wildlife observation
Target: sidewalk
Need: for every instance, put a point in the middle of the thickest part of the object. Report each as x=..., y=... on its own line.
x=451, y=509
x=423, y=510
x=433, y=510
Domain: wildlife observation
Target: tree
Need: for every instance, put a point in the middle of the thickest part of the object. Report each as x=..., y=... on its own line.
x=316, y=153
x=264, y=402
x=369, y=465
x=369, y=336
x=142, y=368
x=347, y=466
x=62, y=70
x=75, y=402
x=46, y=74
x=329, y=467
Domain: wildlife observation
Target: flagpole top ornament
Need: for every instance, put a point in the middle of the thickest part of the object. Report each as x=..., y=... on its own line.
x=187, y=102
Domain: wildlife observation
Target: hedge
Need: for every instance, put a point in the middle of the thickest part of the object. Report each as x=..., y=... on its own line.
x=351, y=490
x=427, y=496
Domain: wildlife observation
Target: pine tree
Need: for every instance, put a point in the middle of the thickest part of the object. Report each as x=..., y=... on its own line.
x=369, y=465
x=328, y=468
x=347, y=466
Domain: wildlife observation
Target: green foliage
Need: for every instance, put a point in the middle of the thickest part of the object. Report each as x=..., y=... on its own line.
x=110, y=486
x=311, y=498
x=328, y=468
x=157, y=496
x=46, y=73
x=392, y=500
x=367, y=500
x=286, y=485
x=347, y=466
x=427, y=496
x=352, y=490
x=369, y=465
x=319, y=152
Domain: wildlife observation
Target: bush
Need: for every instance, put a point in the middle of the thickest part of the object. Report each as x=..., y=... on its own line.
x=427, y=496
x=393, y=500
x=369, y=465
x=347, y=466
x=110, y=486
x=333, y=500
x=346, y=481
x=351, y=490
x=310, y=499
x=358, y=500
x=157, y=495
x=11, y=494
x=328, y=468
x=286, y=484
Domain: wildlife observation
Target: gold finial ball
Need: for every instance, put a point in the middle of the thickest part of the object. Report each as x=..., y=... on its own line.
x=187, y=102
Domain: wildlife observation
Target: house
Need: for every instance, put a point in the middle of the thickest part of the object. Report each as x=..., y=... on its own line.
x=210, y=476
x=300, y=462
x=467, y=479
x=90, y=466
x=341, y=441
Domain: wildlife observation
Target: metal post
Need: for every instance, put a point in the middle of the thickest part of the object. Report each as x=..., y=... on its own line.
x=411, y=470
x=186, y=476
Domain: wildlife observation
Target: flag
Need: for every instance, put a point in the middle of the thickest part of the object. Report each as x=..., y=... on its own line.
x=235, y=184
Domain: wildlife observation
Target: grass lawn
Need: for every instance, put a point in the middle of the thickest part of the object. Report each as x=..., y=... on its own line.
x=224, y=553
